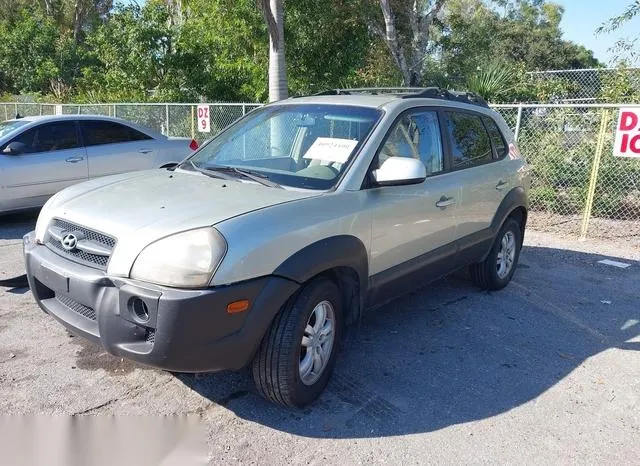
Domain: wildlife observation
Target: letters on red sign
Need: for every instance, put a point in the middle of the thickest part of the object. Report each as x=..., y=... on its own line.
x=633, y=144
x=628, y=121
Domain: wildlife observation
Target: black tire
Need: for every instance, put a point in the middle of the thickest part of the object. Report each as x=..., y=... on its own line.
x=485, y=273
x=275, y=368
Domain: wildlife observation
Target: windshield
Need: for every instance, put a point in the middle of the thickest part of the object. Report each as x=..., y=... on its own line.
x=8, y=126
x=301, y=146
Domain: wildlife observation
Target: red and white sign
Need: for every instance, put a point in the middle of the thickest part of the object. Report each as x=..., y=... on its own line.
x=204, y=122
x=628, y=133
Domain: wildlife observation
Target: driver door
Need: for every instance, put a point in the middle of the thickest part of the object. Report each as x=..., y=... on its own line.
x=53, y=158
x=413, y=228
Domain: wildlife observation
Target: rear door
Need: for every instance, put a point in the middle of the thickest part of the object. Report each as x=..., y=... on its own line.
x=480, y=176
x=413, y=225
x=52, y=160
x=116, y=148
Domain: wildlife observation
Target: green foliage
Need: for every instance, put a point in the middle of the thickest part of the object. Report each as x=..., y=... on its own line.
x=217, y=50
x=620, y=86
x=494, y=82
x=521, y=32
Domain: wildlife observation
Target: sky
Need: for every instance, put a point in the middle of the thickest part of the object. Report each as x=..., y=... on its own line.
x=582, y=17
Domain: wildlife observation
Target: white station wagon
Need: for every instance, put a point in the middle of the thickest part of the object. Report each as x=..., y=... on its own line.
x=40, y=156
x=258, y=249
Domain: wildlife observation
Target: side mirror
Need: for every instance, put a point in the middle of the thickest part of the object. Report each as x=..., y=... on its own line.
x=14, y=148
x=400, y=170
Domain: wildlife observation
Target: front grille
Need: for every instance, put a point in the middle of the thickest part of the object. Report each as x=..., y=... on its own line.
x=151, y=335
x=75, y=306
x=93, y=260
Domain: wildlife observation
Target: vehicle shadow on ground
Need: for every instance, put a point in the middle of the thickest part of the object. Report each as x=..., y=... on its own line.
x=15, y=226
x=450, y=354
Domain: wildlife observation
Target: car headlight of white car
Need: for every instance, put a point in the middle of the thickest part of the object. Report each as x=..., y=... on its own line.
x=186, y=260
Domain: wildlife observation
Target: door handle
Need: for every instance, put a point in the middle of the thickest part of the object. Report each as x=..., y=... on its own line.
x=445, y=202
x=74, y=159
x=500, y=186
x=145, y=151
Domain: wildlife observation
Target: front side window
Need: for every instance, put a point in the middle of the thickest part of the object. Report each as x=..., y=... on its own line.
x=304, y=146
x=470, y=145
x=415, y=135
x=49, y=137
x=95, y=133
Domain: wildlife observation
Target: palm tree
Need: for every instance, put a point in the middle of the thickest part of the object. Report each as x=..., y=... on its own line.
x=273, y=13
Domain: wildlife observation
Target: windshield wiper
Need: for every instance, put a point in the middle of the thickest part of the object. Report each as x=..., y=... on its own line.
x=209, y=172
x=254, y=176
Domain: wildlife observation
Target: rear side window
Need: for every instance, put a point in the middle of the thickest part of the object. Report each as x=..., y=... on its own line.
x=95, y=133
x=49, y=137
x=470, y=145
x=497, y=140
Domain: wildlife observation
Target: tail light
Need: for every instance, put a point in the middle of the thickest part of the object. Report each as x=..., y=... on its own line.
x=193, y=145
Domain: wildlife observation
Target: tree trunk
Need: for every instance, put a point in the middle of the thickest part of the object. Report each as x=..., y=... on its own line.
x=391, y=39
x=78, y=19
x=422, y=14
x=274, y=15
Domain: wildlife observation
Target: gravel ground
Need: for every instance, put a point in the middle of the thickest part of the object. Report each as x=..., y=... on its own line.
x=545, y=371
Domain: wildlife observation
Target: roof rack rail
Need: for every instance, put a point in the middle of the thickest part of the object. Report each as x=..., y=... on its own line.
x=458, y=96
x=413, y=92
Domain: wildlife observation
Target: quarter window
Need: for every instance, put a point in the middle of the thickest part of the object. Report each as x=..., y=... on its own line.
x=95, y=133
x=496, y=137
x=49, y=137
x=415, y=135
x=470, y=145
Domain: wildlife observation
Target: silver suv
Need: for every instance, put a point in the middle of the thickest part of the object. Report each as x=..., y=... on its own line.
x=258, y=249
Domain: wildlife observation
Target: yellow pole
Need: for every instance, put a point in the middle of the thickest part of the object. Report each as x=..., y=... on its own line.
x=595, y=168
x=193, y=122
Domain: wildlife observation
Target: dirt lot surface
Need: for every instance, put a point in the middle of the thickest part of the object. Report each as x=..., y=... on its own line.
x=545, y=371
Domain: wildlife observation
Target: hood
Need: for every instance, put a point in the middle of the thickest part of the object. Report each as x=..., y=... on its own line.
x=141, y=207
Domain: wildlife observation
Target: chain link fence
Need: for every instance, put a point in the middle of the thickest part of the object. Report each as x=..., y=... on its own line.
x=578, y=187
x=585, y=85
x=167, y=118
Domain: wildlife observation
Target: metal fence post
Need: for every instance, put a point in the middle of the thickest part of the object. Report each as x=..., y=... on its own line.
x=595, y=168
x=518, y=121
x=115, y=108
x=244, y=109
x=166, y=111
x=193, y=122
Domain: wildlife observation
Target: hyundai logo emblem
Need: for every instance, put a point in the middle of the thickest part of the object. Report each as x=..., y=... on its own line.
x=69, y=242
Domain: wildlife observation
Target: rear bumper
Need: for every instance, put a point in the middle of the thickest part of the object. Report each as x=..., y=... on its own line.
x=186, y=331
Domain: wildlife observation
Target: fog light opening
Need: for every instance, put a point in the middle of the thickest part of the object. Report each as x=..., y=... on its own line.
x=140, y=309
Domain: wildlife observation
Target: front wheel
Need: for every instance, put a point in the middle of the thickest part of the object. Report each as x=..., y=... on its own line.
x=496, y=271
x=297, y=355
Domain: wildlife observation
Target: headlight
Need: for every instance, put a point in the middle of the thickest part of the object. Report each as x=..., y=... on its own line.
x=44, y=217
x=182, y=260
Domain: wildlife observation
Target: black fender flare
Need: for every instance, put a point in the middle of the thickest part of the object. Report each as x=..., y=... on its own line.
x=326, y=254
x=514, y=199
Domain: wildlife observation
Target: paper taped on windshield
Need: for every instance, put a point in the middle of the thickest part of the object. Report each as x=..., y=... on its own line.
x=331, y=149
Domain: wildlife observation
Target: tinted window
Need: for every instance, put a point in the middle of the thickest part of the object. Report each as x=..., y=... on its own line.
x=470, y=144
x=415, y=135
x=496, y=137
x=49, y=137
x=95, y=133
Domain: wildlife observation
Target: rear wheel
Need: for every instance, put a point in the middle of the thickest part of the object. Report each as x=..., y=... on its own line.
x=496, y=271
x=297, y=355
